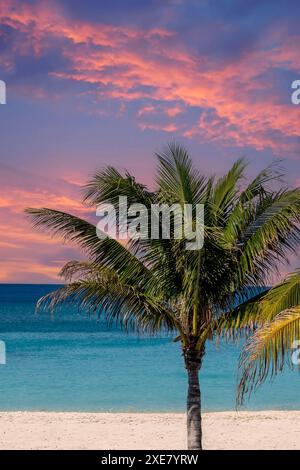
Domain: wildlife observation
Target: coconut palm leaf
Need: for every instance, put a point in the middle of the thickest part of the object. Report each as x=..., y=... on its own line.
x=283, y=296
x=270, y=238
x=243, y=213
x=244, y=318
x=100, y=291
x=177, y=180
x=267, y=351
x=107, y=251
x=109, y=184
x=226, y=192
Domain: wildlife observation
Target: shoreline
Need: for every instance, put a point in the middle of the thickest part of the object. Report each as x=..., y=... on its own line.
x=38, y=430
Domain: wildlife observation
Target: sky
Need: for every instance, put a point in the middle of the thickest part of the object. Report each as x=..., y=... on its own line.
x=95, y=83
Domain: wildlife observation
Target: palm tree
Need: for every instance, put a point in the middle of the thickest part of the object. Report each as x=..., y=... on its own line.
x=276, y=341
x=158, y=285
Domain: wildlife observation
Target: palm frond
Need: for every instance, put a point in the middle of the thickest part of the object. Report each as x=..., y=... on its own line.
x=245, y=209
x=177, y=180
x=271, y=237
x=267, y=351
x=226, y=191
x=103, y=293
x=245, y=317
x=259, y=186
x=109, y=184
x=284, y=295
x=106, y=252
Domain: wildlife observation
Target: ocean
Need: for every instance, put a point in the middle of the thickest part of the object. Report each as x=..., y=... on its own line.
x=73, y=362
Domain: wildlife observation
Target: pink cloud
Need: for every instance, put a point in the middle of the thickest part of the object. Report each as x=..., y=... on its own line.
x=125, y=63
x=24, y=252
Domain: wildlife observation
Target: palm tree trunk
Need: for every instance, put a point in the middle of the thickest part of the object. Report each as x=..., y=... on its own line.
x=194, y=426
x=193, y=361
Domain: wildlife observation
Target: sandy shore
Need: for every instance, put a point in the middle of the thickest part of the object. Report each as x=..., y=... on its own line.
x=226, y=430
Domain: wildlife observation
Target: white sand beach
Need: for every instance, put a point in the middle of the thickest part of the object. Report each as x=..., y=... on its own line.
x=222, y=430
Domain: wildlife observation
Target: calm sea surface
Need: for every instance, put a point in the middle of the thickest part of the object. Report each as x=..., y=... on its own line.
x=74, y=363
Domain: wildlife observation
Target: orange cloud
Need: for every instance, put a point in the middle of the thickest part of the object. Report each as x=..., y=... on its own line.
x=24, y=251
x=130, y=64
x=159, y=127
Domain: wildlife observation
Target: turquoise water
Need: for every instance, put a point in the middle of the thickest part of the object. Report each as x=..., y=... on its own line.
x=75, y=363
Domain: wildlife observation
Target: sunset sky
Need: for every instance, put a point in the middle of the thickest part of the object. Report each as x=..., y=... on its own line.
x=91, y=83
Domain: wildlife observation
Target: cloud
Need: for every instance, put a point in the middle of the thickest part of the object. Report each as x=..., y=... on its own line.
x=24, y=252
x=154, y=65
